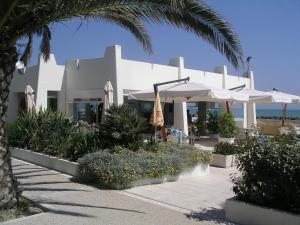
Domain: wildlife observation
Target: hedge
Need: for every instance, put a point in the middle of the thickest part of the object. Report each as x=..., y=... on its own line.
x=224, y=148
x=53, y=134
x=270, y=172
x=120, y=169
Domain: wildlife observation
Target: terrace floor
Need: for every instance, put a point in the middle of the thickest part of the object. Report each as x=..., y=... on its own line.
x=203, y=196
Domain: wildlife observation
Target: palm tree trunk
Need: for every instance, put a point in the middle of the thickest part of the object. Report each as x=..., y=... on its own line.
x=8, y=189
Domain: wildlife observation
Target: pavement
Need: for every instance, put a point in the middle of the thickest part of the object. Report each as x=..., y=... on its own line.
x=204, y=195
x=67, y=201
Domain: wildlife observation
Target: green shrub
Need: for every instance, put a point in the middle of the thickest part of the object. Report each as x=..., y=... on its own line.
x=270, y=172
x=119, y=167
x=212, y=122
x=51, y=133
x=121, y=125
x=224, y=148
x=13, y=134
x=227, y=127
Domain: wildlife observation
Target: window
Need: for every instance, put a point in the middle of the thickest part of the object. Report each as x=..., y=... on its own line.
x=145, y=109
x=89, y=109
x=52, y=100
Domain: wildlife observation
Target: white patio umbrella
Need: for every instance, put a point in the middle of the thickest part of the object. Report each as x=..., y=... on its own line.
x=29, y=96
x=271, y=97
x=257, y=96
x=292, y=98
x=190, y=92
x=108, y=95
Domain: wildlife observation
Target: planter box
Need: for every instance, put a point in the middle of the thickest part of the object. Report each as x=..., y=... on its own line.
x=248, y=214
x=223, y=161
x=71, y=168
x=49, y=162
x=226, y=140
x=214, y=136
x=197, y=171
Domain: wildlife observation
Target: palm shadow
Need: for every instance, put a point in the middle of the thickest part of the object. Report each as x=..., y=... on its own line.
x=64, y=203
x=31, y=171
x=36, y=175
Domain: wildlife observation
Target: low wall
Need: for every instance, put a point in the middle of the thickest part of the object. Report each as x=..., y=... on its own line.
x=49, y=162
x=223, y=161
x=248, y=214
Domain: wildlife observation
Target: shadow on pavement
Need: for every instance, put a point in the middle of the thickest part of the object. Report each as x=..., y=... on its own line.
x=31, y=171
x=85, y=205
x=211, y=214
x=45, y=182
x=51, y=189
x=63, y=212
x=37, y=175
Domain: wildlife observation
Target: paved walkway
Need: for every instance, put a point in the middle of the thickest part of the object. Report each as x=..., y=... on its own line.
x=203, y=196
x=69, y=202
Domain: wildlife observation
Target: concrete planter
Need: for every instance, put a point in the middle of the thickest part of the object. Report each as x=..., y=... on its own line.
x=223, y=161
x=197, y=171
x=248, y=214
x=49, y=162
x=71, y=168
x=226, y=140
x=214, y=136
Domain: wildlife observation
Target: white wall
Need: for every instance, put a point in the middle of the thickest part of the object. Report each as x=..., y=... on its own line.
x=85, y=78
x=49, y=79
x=137, y=75
x=18, y=85
x=42, y=77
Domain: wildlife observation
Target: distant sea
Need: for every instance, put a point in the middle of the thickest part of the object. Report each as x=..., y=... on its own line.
x=291, y=113
x=238, y=112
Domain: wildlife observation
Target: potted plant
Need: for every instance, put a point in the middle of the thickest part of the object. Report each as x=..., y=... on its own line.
x=212, y=124
x=226, y=127
x=224, y=154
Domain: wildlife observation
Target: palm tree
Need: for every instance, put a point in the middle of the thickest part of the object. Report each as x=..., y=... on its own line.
x=21, y=19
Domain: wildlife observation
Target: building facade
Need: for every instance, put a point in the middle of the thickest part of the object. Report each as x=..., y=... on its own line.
x=76, y=88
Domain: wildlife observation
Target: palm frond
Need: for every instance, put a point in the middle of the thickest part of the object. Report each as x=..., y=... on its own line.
x=28, y=50
x=191, y=15
x=45, y=43
x=130, y=23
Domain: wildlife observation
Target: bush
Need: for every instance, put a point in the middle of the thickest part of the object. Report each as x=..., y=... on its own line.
x=121, y=125
x=212, y=122
x=270, y=172
x=224, y=148
x=51, y=133
x=227, y=127
x=120, y=168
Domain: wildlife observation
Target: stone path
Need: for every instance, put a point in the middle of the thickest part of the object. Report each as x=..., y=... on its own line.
x=69, y=202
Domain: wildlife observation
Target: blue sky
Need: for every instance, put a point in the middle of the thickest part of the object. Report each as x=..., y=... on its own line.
x=269, y=31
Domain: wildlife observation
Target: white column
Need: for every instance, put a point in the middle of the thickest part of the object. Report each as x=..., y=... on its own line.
x=180, y=110
x=113, y=59
x=222, y=70
x=245, y=120
x=251, y=107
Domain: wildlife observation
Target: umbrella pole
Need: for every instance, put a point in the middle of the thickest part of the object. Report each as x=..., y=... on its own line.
x=284, y=114
x=155, y=95
x=228, y=107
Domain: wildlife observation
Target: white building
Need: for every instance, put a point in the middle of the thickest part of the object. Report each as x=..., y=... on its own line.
x=76, y=88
